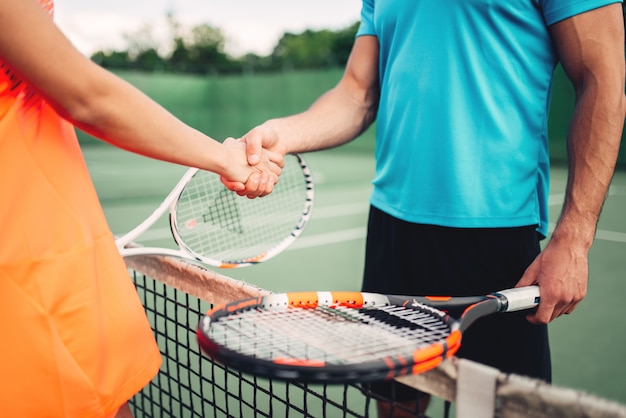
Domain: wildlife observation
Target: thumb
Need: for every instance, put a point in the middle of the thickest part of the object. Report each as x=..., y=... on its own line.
x=253, y=148
x=530, y=276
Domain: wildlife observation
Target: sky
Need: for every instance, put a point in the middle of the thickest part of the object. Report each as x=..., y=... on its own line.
x=248, y=25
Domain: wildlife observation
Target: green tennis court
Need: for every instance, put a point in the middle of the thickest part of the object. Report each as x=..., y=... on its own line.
x=587, y=346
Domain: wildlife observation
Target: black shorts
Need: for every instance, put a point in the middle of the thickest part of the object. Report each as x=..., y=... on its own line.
x=416, y=259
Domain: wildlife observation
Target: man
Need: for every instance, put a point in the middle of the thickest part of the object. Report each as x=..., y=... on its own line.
x=460, y=91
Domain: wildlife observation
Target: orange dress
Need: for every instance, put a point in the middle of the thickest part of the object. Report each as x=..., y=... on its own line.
x=75, y=338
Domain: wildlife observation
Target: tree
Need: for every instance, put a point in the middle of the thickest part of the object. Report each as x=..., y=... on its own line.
x=315, y=49
x=206, y=48
x=310, y=49
x=200, y=50
x=179, y=60
x=149, y=60
x=112, y=59
x=140, y=40
x=342, y=44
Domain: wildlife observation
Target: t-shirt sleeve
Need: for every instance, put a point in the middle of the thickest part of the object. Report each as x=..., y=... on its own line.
x=367, y=19
x=556, y=10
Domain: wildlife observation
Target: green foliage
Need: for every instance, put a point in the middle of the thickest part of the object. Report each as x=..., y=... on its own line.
x=206, y=49
x=179, y=60
x=200, y=50
x=149, y=60
x=343, y=41
x=315, y=49
x=309, y=49
x=113, y=59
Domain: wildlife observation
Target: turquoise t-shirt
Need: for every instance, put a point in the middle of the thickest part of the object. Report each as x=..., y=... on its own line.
x=462, y=138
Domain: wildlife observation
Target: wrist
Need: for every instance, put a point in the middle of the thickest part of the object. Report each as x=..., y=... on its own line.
x=576, y=233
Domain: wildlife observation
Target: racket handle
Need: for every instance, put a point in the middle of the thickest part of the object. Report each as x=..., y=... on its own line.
x=520, y=298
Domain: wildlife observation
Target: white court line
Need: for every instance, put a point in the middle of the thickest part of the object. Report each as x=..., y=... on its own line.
x=352, y=234
x=307, y=241
x=557, y=200
x=611, y=236
x=340, y=210
x=325, y=212
x=328, y=238
x=600, y=234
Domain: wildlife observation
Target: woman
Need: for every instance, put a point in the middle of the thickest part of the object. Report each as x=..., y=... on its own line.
x=76, y=342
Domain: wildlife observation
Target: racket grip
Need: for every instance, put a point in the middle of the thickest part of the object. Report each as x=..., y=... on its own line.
x=520, y=298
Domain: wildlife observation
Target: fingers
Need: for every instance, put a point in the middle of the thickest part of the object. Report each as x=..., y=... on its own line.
x=543, y=314
x=556, y=299
x=277, y=159
x=264, y=141
x=548, y=310
x=561, y=287
x=258, y=185
x=262, y=183
x=254, y=148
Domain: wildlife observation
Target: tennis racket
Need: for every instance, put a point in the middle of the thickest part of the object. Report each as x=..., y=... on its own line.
x=215, y=226
x=344, y=337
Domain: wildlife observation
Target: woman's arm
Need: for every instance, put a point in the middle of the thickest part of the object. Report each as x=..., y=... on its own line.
x=105, y=106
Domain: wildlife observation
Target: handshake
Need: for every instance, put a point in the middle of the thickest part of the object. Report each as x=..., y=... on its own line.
x=254, y=163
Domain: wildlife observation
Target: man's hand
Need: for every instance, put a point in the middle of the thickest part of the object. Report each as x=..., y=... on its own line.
x=262, y=138
x=561, y=271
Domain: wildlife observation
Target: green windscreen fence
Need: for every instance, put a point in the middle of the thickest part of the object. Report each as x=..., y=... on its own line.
x=223, y=106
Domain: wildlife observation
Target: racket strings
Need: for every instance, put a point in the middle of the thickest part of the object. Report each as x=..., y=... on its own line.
x=330, y=335
x=405, y=319
x=224, y=213
x=215, y=223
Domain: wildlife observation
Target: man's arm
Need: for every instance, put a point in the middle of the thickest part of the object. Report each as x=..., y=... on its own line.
x=338, y=116
x=591, y=51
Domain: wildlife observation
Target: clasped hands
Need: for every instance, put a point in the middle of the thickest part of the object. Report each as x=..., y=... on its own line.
x=250, y=177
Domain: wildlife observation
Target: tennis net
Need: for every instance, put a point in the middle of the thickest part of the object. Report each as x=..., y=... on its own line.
x=175, y=294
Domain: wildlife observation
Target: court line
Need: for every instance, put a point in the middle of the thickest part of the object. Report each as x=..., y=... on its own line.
x=359, y=233
x=324, y=212
x=328, y=238
x=556, y=199
x=336, y=237
x=611, y=236
x=352, y=234
x=600, y=234
x=336, y=211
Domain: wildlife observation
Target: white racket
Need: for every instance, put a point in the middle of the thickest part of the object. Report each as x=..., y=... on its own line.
x=215, y=226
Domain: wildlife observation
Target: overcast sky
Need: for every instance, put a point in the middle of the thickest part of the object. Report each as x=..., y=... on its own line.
x=248, y=25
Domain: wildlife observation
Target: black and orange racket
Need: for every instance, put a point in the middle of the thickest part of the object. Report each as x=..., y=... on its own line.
x=342, y=337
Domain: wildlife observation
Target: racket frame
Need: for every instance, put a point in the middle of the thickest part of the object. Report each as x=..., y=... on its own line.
x=168, y=204
x=185, y=252
x=420, y=360
x=386, y=368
